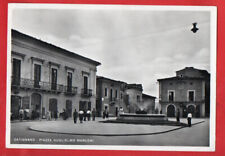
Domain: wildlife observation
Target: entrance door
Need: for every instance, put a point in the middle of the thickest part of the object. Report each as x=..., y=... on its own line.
x=36, y=105
x=191, y=109
x=83, y=105
x=171, y=111
x=53, y=106
x=116, y=111
x=89, y=105
x=15, y=106
x=69, y=107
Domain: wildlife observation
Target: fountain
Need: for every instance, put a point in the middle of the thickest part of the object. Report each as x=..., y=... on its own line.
x=141, y=116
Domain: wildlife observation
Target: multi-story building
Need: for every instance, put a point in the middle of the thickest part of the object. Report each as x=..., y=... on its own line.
x=113, y=94
x=48, y=78
x=188, y=91
x=109, y=95
x=148, y=103
x=133, y=97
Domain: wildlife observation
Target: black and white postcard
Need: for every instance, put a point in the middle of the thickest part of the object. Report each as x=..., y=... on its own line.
x=114, y=77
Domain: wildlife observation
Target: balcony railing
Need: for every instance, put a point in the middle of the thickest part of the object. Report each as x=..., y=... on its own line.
x=113, y=99
x=22, y=83
x=70, y=90
x=86, y=92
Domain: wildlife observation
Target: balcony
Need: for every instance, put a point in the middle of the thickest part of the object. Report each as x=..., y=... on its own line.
x=113, y=99
x=28, y=84
x=69, y=90
x=86, y=92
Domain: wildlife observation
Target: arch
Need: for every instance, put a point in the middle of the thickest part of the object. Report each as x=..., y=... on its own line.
x=191, y=109
x=171, y=109
x=35, y=105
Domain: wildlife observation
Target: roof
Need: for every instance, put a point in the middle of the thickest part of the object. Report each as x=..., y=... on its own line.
x=181, y=78
x=134, y=86
x=53, y=47
x=192, y=68
x=148, y=96
x=108, y=79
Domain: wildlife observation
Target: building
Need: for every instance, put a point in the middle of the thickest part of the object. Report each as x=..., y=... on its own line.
x=188, y=91
x=109, y=96
x=114, y=94
x=48, y=78
x=133, y=97
x=148, y=103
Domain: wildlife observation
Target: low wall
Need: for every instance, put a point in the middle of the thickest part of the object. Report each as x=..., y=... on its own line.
x=142, y=117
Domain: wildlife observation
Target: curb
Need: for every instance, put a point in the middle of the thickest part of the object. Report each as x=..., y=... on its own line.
x=108, y=135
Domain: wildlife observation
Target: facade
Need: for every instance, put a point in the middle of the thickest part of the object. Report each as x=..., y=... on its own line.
x=109, y=96
x=46, y=78
x=113, y=94
x=133, y=94
x=148, y=103
x=188, y=91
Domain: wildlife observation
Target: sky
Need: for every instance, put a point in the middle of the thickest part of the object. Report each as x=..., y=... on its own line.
x=134, y=46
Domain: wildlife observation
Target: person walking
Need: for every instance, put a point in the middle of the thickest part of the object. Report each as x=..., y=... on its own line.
x=81, y=113
x=75, y=114
x=93, y=114
x=88, y=115
x=178, y=115
x=189, y=116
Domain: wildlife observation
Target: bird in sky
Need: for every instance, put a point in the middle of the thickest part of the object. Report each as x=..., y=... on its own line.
x=194, y=29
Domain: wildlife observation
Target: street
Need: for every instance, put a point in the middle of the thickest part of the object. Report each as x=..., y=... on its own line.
x=96, y=133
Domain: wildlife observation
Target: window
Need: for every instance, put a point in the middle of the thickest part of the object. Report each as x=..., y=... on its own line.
x=106, y=92
x=116, y=94
x=16, y=72
x=138, y=98
x=54, y=79
x=37, y=75
x=69, y=82
x=191, y=95
x=171, y=96
x=85, y=84
x=111, y=94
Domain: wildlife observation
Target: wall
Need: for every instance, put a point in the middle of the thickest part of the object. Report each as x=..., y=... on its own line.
x=181, y=88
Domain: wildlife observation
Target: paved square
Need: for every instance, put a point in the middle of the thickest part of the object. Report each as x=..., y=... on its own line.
x=97, y=133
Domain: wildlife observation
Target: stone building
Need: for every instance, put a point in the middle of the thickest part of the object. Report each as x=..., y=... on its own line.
x=133, y=96
x=114, y=94
x=109, y=96
x=148, y=103
x=48, y=78
x=188, y=91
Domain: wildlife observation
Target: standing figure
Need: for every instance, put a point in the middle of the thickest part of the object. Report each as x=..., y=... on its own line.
x=85, y=115
x=178, y=115
x=75, y=114
x=88, y=115
x=48, y=115
x=93, y=114
x=189, y=116
x=21, y=113
x=81, y=113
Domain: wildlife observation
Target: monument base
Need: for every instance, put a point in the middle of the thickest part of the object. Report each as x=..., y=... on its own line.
x=142, y=117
